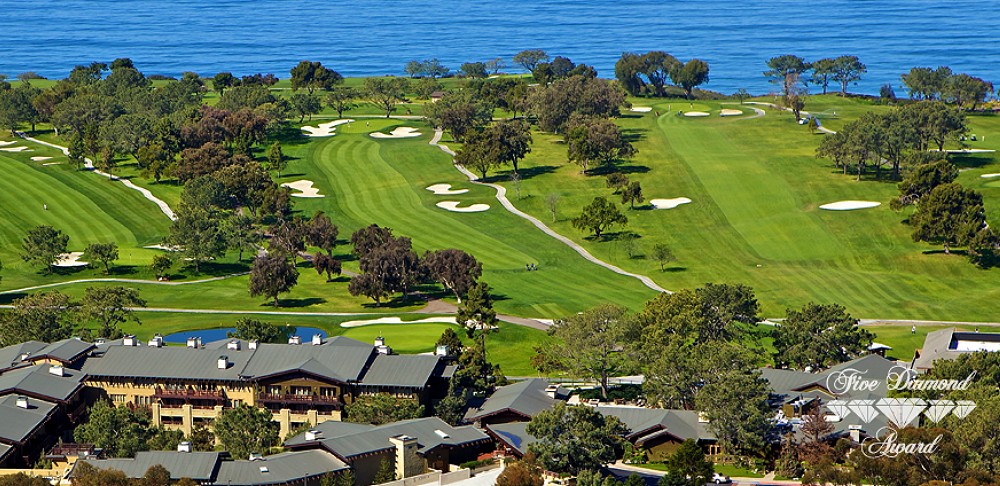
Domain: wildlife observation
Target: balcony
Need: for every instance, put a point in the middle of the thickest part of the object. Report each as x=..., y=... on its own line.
x=186, y=395
x=312, y=400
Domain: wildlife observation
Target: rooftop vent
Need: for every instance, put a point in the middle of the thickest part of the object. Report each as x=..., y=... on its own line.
x=22, y=402
x=552, y=390
x=317, y=339
x=234, y=345
x=57, y=370
x=223, y=362
x=313, y=434
x=441, y=350
x=384, y=350
x=380, y=341
x=256, y=456
x=156, y=342
x=100, y=341
x=253, y=344
x=295, y=340
x=130, y=340
x=264, y=470
x=192, y=342
x=184, y=447
x=25, y=356
x=442, y=434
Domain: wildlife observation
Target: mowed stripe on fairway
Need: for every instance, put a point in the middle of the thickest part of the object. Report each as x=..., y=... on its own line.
x=383, y=182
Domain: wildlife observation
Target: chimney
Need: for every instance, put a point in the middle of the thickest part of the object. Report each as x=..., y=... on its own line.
x=25, y=356
x=234, y=345
x=295, y=340
x=253, y=344
x=317, y=339
x=130, y=340
x=441, y=350
x=184, y=447
x=408, y=462
x=57, y=370
x=100, y=341
x=313, y=434
x=384, y=350
x=192, y=342
x=22, y=402
x=380, y=341
x=156, y=342
x=223, y=362
x=551, y=390
x=855, y=431
x=197, y=342
x=256, y=456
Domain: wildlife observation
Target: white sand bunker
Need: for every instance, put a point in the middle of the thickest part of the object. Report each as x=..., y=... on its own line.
x=695, y=113
x=305, y=188
x=325, y=129
x=988, y=176
x=15, y=149
x=4, y=143
x=969, y=151
x=730, y=112
x=71, y=259
x=398, y=132
x=850, y=205
x=396, y=320
x=641, y=109
x=52, y=163
x=668, y=203
x=453, y=206
x=163, y=247
x=445, y=190
x=39, y=159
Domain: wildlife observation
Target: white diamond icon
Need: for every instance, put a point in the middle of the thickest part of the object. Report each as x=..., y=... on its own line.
x=938, y=410
x=864, y=409
x=963, y=408
x=901, y=411
x=839, y=407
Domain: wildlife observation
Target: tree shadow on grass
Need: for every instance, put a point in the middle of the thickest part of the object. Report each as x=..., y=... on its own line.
x=11, y=297
x=295, y=303
x=605, y=169
x=674, y=269
x=289, y=135
x=633, y=135
x=940, y=251
x=65, y=271
x=212, y=269
x=124, y=270
x=971, y=161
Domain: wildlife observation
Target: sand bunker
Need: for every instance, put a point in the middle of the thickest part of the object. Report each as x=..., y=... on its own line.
x=305, y=188
x=52, y=163
x=960, y=151
x=453, y=206
x=396, y=320
x=445, y=190
x=988, y=176
x=695, y=113
x=163, y=247
x=668, y=203
x=39, y=159
x=730, y=112
x=850, y=205
x=398, y=132
x=325, y=129
x=4, y=143
x=641, y=109
x=15, y=149
x=71, y=259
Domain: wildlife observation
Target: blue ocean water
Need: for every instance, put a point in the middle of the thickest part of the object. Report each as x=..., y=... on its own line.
x=375, y=37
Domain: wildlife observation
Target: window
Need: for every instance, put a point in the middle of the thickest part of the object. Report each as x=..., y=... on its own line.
x=301, y=391
x=118, y=399
x=328, y=391
x=274, y=390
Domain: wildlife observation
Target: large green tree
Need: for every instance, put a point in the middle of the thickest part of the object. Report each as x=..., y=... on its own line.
x=949, y=215
x=592, y=140
x=573, y=438
x=386, y=91
x=246, y=429
x=785, y=70
x=598, y=216
x=688, y=463
x=381, y=409
x=819, y=336
x=106, y=253
x=846, y=70
x=455, y=269
x=265, y=332
x=43, y=245
x=313, y=76
x=117, y=430
x=111, y=307
x=271, y=275
x=692, y=74
x=42, y=316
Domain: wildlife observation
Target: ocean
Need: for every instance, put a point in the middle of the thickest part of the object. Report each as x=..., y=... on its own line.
x=377, y=37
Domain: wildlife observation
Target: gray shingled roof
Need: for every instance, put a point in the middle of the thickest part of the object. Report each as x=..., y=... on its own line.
x=169, y=362
x=10, y=356
x=401, y=370
x=66, y=350
x=527, y=397
x=339, y=358
x=514, y=434
x=281, y=468
x=199, y=466
x=4, y=451
x=16, y=423
x=646, y=423
x=38, y=381
x=349, y=440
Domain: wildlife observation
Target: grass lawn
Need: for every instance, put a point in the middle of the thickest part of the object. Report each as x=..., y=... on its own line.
x=726, y=469
x=756, y=188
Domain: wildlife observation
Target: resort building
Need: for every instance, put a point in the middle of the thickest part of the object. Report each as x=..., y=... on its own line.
x=952, y=343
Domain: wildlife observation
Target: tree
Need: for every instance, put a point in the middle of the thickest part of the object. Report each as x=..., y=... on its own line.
x=822, y=72
x=591, y=140
x=552, y=204
x=694, y=73
x=342, y=99
x=434, y=68
x=85, y=474
x=961, y=89
x=77, y=150
x=388, y=267
x=425, y=87
x=475, y=154
x=818, y=336
x=455, y=269
x=385, y=473
x=785, y=70
x=627, y=71
x=741, y=94
x=324, y=263
x=815, y=427
x=662, y=254
x=529, y=58
x=202, y=439
x=42, y=316
x=111, y=307
x=322, y=232
x=117, y=430
x=658, y=67
x=450, y=339
x=241, y=234
x=459, y=112
x=476, y=312
x=617, y=181
x=495, y=65
x=156, y=476
x=199, y=234
x=474, y=70
x=525, y=472
x=366, y=239
x=161, y=439
x=632, y=193
x=736, y=405
x=104, y=253
x=305, y=105
x=509, y=141
x=386, y=92
x=223, y=81
x=246, y=429
x=23, y=479
x=554, y=105
x=923, y=179
x=155, y=161
x=949, y=215
x=846, y=70
x=984, y=248
x=43, y=245
x=161, y=265
x=313, y=76
x=288, y=237
x=590, y=344
x=251, y=329
x=382, y=408
x=272, y=275
x=573, y=438
x=689, y=462
x=598, y=216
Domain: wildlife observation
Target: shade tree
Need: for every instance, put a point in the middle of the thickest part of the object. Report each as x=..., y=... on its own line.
x=386, y=92
x=43, y=245
x=573, y=438
x=455, y=269
x=313, y=76
x=598, y=216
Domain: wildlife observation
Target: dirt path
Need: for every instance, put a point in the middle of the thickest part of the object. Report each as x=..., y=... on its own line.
x=502, y=197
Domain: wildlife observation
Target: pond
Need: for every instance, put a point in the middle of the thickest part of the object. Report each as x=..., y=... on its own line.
x=217, y=334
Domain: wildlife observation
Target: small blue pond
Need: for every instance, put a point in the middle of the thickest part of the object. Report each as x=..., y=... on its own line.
x=217, y=334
